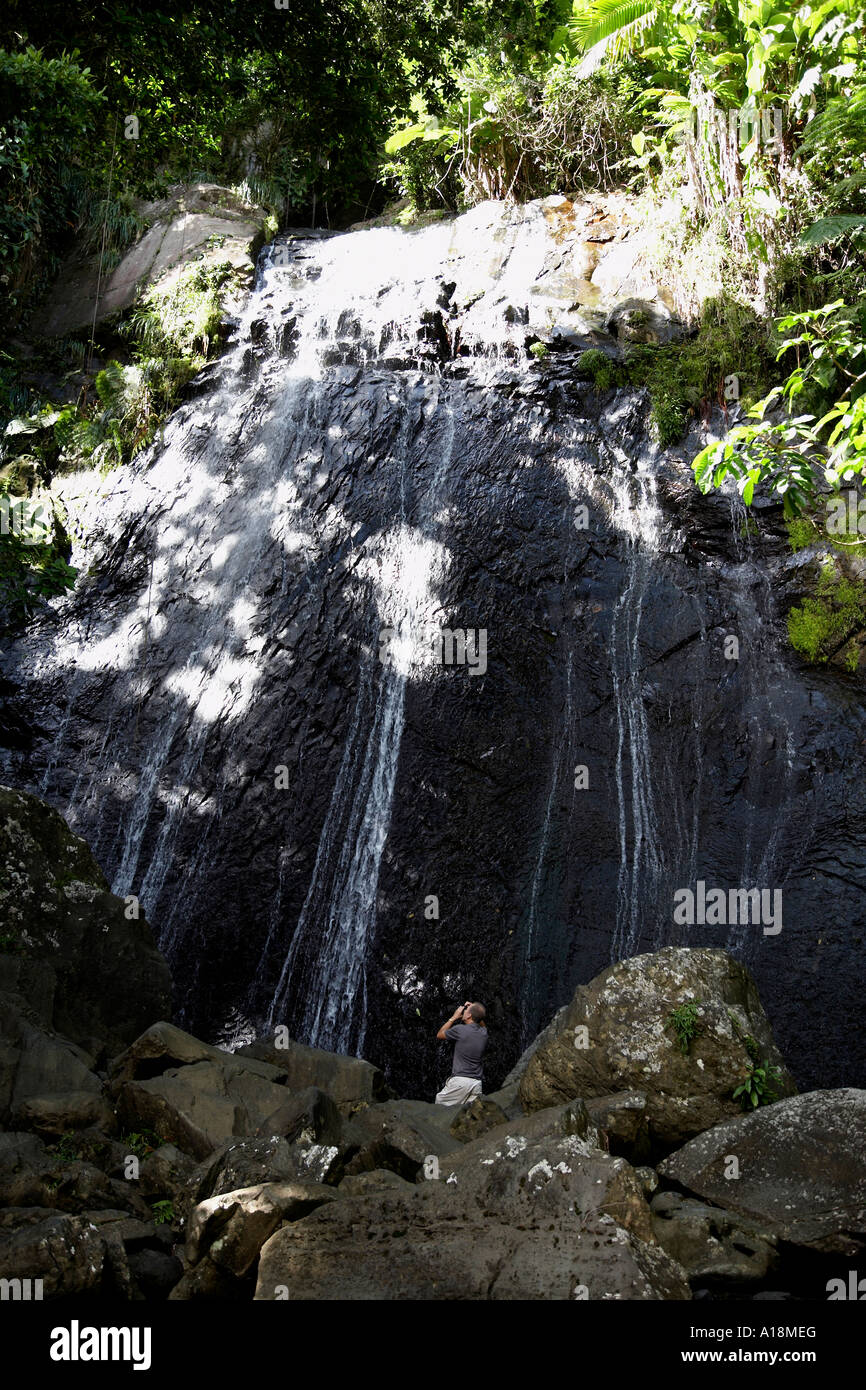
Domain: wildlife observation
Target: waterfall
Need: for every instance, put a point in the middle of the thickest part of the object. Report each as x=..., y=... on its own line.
x=243, y=707
x=338, y=919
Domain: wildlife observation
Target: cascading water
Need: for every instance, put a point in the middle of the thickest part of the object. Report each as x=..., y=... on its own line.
x=328, y=823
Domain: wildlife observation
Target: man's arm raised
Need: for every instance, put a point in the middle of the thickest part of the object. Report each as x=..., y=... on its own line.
x=458, y=1014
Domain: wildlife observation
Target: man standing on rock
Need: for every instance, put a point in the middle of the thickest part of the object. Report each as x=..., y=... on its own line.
x=468, y=1031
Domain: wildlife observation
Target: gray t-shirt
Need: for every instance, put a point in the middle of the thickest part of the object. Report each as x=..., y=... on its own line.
x=471, y=1041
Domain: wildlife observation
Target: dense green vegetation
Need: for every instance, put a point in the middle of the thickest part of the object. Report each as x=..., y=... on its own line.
x=741, y=128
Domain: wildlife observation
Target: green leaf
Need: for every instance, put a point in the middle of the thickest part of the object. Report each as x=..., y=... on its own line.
x=832, y=228
x=401, y=138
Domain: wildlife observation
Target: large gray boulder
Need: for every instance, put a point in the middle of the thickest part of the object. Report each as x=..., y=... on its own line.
x=715, y=1247
x=204, y=221
x=36, y=1062
x=65, y=1253
x=629, y=1043
x=199, y=1097
x=794, y=1168
x=200, y=1106
x=398, y=1135
x=530, y=1210
x=349, y=1081
x=73, y=962
x=245, y=1163
x=232, y=1228
x=524, y=1221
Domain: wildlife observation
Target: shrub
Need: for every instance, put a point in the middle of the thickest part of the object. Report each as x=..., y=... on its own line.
x=827, y=624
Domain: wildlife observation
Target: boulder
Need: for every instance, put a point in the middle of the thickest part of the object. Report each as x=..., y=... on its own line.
x=165, y=1172
x=507, y=1099
x=471, y=1121
x=432, y=1245
x=632, y=1045
x=202, y=220
x=66, y=1253
x=36, y=1062
x=307, y=1117
x=715, y=1247
x=509, y=1215
x=159, y=1048
x=522, y=1180
x=557, y=1122
x=210, y=1281
x=71, y=1110
x=253, y=1162
x=644, y=321
x=126, y=1239
x=162, y=1047
x=399, y=1135
x=155, y=1272
x=798, y=1172
x=349, y=1081
x=86, y=970
x=200, y=1106
x=232, y=1228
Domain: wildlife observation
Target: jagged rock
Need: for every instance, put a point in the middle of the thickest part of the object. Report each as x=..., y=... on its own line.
x=86, y=970
x=622, y=1118
x=398, y=1134
x=66, y=1253
x=126, y=1237
x=232, y=1228
x=35, y=1062
x=349, y=1081
x=799, y=1166
x=159, y=1048
x=632, y=1045
x=556, y=1122
x=471, y=1121
x=307, y=1117
x=713, y=1246
x=201, y=1105
x=252, y=1162
x=56, y=1114
x=163, y=1047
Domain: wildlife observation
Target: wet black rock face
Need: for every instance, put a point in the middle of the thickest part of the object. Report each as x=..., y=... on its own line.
x=501, y=827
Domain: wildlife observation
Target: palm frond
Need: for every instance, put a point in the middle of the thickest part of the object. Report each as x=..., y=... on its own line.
x=612, y=29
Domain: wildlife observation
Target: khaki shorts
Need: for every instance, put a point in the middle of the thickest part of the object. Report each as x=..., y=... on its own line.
x=458, y=1090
